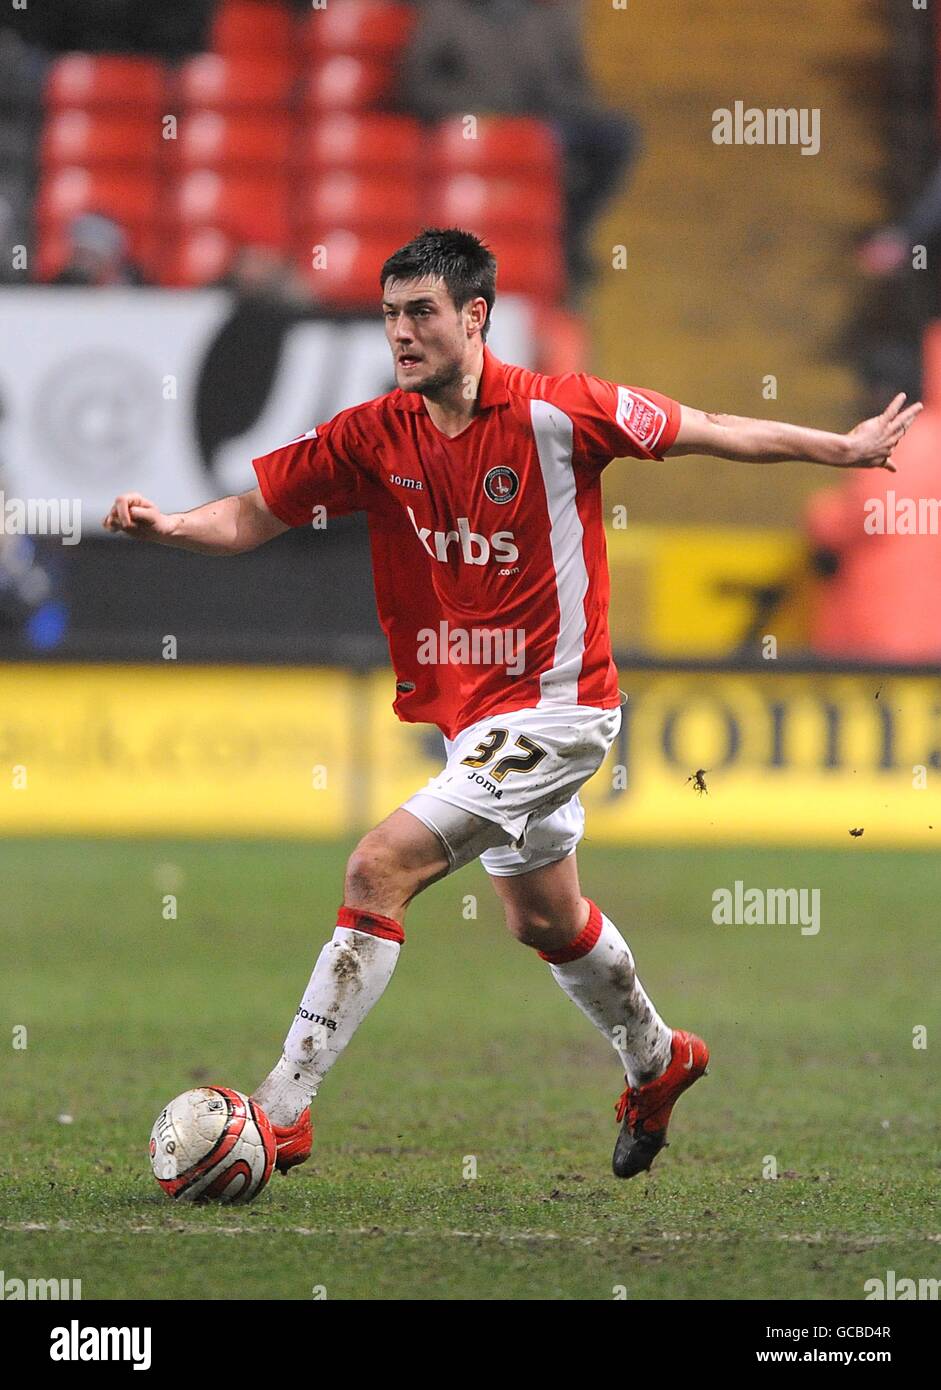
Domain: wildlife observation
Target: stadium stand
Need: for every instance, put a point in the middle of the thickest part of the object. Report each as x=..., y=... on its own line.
x=283, y=133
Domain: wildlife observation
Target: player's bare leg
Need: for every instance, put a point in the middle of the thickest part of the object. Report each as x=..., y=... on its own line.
x=593, y=964
x=391, y=864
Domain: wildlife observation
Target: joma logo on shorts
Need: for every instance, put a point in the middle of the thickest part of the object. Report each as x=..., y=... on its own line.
x=475, y=548
x=486, y=783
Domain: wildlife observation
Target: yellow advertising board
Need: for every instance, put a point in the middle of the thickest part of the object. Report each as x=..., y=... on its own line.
x=175, y=750
x=788, y=758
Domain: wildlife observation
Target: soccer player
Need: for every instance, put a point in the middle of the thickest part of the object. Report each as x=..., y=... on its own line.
x=482, y=485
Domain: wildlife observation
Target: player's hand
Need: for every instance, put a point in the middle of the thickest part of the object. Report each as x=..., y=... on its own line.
x=872, y=441
x=137, y=516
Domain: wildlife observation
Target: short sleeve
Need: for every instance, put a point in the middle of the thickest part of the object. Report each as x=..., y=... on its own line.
x=612, y=421
x=312, y=471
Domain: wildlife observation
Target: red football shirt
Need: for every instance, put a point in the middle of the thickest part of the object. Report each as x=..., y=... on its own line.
x=488, y=549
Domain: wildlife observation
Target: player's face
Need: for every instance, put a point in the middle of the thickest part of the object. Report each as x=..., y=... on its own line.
x=428, y=335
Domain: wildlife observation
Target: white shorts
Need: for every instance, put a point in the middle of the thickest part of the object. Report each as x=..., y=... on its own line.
x=520, y=774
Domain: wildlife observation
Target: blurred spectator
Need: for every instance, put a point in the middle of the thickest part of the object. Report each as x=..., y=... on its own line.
x=886, y=330
x=879, y=595
x=98, y=254
x=888, y=248
x=524, y=58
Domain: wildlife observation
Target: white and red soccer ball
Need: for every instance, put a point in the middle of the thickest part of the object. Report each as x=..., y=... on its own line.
x=212, y=1144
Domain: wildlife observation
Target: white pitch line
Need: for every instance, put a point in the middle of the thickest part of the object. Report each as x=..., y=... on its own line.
x=667, y=1237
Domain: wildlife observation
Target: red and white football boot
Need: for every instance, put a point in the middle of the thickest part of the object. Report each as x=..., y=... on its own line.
x=294, y=1142
x=644, y=1111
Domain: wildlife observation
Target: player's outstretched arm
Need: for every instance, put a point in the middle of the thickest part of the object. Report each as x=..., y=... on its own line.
x=869, y=445
x=227, y=526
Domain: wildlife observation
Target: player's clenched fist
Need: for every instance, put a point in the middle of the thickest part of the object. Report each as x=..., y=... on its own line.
x=136, y=515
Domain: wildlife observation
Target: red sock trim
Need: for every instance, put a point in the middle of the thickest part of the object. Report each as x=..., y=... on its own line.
x=373, y=923
x=583, y=943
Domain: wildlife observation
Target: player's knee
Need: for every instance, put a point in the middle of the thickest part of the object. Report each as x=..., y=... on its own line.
x=531, y=926
x=373, y=873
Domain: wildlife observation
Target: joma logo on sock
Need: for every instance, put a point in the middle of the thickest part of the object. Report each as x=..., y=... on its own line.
x=317, y=1018
x=751, y=907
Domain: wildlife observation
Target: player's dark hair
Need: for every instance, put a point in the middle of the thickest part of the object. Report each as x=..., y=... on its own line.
x=467, y=267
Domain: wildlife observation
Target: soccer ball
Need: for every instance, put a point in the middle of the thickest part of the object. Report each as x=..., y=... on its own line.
x=212, y=1144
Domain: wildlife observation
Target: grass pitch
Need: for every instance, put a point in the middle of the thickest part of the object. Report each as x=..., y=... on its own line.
x=473, y=1060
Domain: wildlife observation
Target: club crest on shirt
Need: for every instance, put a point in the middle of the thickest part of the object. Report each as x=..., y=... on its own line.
x=501, y=484
x=640, y=418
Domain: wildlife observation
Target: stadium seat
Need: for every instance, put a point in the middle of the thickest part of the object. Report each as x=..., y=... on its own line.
x=130, y=199
x=195, y=258
x=250, y=141
x=252, y=28
x=211, y=81
x=91, y=138
x=376, y=27
x=359, y=142
x=377, y=202
x=501, y=203
x=347, y=272
x=250, y=209
x=495, y=145
x=528, y=265
x=345, y=83
x=563, y=341
x=104, y=81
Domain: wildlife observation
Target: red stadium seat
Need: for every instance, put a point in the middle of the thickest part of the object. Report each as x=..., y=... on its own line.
x=502, y=203
x=105, y=81
x=130, y=199
x=212, y=82
x=563, y=341
x=90, y=138
x=495, y=145
x=344, y=272
x=361, y=141
x=376, y=27
x=528, y=265
x=371, y=202
x=195, y=258
x=252, y=28
x=250, y=209
x=345, y=83
x=52, y=251
x=211, y=140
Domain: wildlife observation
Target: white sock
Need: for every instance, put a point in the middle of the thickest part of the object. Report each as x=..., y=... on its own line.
x=597, y=973
x=351, y=973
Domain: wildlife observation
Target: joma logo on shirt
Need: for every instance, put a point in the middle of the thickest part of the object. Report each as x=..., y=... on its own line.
x=475, y=548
